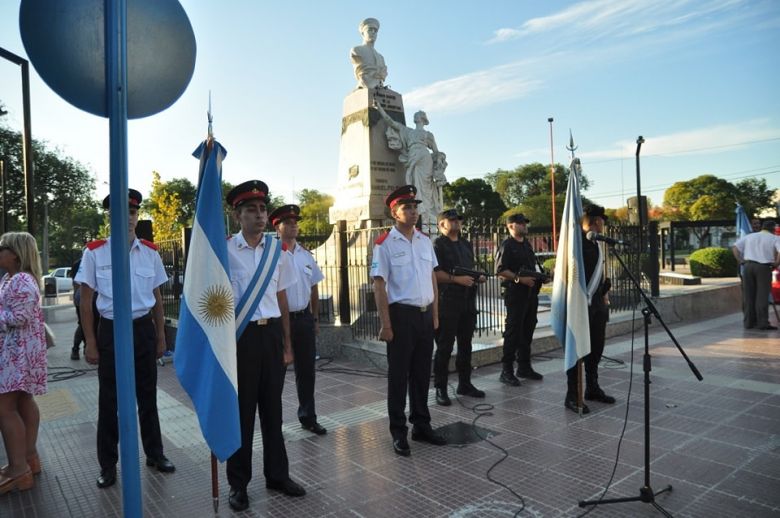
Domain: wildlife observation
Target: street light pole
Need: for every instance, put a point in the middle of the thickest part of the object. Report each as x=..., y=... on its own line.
x=27, y=154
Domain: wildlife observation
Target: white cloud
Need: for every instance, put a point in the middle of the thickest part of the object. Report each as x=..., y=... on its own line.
x=711, y=140
x=476, y=89
x=595, y=19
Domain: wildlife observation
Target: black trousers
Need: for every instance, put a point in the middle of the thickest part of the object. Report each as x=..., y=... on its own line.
x=598, y=316
x=519, y=328
x=456, y=320
x=145, y=355
x=409, y=366
x=304, y=344
x=260, y=378
x=756, y=286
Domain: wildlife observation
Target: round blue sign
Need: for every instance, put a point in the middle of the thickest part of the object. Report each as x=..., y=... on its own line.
x=65, y=43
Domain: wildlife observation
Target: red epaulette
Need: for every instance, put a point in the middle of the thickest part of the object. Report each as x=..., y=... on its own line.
x=284, y=247
x=149, y=244
x=97, y=243
x=381, y=239
x=228, y=238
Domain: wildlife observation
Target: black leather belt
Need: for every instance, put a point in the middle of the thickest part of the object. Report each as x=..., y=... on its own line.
x=263, y=321
x=420, y=309
x=762, y=264
x=301, y=313
x=138, y=320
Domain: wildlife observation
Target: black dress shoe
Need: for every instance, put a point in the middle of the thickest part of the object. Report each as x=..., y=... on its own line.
x=470, y=391
x=442, y=398
x=315, y=427
x=598, y=395
x=238, y=499
x=428, y=435
x=529, y=373
x=768, y=328
x=107, y=478
x=401, y=447
x=288, y=487
x=74, y=353
x=571, y=404
x=508, y=378
x=161, y=463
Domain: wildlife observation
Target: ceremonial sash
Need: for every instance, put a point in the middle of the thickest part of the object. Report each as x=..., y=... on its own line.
x=272, y=250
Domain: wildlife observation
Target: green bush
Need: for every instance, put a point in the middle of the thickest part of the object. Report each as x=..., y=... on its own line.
x=549, y=265
x=713, y=262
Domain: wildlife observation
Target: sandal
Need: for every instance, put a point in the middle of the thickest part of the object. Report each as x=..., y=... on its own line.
x=22, y=482
x=34, y=462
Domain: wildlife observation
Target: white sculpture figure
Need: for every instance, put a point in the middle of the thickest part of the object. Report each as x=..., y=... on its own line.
x=369, y=65
x=423, y=169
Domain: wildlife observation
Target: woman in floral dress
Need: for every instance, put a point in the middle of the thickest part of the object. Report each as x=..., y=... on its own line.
x=22, y=358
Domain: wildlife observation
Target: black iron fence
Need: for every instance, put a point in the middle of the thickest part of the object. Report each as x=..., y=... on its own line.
x=346, y=293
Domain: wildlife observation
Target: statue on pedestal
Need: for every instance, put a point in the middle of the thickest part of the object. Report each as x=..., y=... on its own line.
x=424, y=170
x=369, y=65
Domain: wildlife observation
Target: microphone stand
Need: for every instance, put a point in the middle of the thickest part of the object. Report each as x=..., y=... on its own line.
x=646, y=493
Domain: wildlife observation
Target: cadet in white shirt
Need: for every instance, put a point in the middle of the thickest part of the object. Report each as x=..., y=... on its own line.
x=759, y=252
x=263, y=348
x=146, y=275
x=303, y=299
x=406, y=298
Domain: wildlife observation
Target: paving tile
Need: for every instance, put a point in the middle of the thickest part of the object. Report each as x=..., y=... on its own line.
x=716, y=442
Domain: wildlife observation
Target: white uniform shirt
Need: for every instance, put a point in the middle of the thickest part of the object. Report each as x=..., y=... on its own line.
x=307, y=273
x=760, y=247
x=146, y=274
x=243, y=260
x=406, y=266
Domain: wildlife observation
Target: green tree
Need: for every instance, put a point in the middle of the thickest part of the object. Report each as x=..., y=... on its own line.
x=528, y=189
x=703, y=198
x=314, y=212
x=165, y=209
x=63, y=183
x=475, y=199
x=184, y=191
x=754, y=195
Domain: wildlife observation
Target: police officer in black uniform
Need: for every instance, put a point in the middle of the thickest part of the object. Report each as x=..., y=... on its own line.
x=457, y=307
x=514, y=259
x=593, y=258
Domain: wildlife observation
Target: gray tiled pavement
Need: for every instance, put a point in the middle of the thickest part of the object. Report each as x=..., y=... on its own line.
x=717, y=442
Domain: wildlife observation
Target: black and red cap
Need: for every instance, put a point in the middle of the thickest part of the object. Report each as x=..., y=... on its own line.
x=402, y=196
x=517, y=217
x=285, y=212
x=134, y=196
x=251, y=190
x=594, y=211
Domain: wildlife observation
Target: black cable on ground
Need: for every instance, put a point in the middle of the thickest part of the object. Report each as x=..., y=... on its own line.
x=613, y=363
x=345, y=370
x=625, y=422
x=484, y=410
x=66, y=373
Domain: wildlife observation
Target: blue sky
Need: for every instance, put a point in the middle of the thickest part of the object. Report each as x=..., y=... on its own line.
x=696, y=78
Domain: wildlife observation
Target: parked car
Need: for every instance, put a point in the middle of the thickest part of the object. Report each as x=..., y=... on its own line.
x=62, y=277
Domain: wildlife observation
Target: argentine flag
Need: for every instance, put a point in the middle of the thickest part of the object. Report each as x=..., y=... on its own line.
x=205, y=356
x=569, y=311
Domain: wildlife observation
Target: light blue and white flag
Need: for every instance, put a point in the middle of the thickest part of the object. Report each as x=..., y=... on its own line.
x=743, y=223
x=569, y=311
x=743, y=228
x=205, y=356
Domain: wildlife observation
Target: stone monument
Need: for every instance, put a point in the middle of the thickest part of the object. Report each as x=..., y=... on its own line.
x=378, y=152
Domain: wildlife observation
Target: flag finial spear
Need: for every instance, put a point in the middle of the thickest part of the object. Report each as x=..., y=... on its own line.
x=210, y=118
x=571, y=147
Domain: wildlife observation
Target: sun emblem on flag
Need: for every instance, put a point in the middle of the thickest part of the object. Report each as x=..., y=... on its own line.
x=573, y=273
x=215, y=305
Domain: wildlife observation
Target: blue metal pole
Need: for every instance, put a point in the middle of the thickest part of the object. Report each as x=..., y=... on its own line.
x=116, y=99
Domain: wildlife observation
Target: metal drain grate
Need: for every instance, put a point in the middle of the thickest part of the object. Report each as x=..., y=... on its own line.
x=464, y=433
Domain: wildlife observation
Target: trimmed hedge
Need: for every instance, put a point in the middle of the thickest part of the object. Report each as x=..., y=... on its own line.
x=713, y=262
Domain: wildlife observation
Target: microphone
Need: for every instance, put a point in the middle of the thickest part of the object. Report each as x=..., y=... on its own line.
x=595, y=236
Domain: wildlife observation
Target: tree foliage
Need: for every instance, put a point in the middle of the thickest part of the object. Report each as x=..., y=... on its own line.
x=314, y=212
x=754, y=195
x=62, y=182
x=702, y=198
x=165, y=209
x=475, y=199
x=528, y=189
